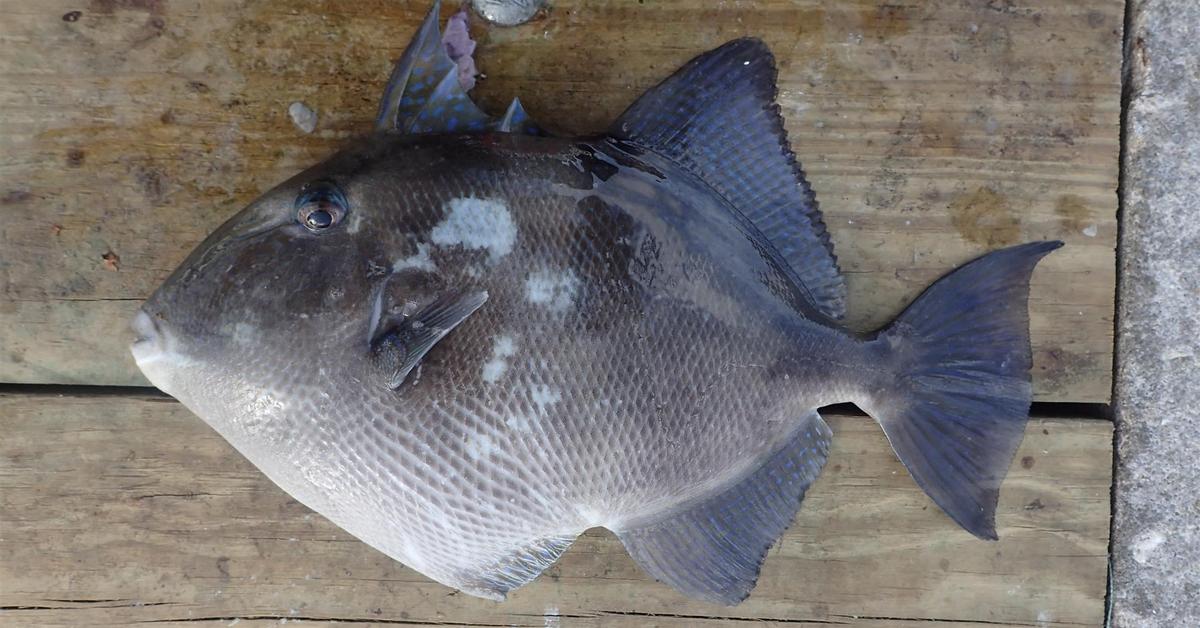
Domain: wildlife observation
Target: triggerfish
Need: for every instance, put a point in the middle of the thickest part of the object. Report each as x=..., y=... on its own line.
x=465, y=340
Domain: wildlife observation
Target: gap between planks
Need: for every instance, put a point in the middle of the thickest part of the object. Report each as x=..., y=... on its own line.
x=136, y=500
x=1038, y=409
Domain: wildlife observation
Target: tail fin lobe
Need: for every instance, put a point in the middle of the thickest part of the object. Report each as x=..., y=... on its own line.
x=955, y=409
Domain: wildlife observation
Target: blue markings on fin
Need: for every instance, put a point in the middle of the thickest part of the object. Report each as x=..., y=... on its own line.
x=425, y=81
x=712, y=548
x=427, y=91
x=516, y=120
x=716, y=117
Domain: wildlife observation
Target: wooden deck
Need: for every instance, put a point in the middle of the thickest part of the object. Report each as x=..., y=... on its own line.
x=931, y=132
x=123, y=509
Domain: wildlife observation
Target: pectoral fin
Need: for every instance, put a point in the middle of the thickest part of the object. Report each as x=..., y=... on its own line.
x=399, y=346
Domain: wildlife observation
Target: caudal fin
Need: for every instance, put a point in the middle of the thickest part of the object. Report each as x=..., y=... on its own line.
x=956, y=405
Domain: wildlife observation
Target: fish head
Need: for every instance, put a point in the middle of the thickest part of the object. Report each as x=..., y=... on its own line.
x=284, y=288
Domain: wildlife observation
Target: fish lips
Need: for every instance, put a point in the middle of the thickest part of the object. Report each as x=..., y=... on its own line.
x=149, y=341
x=155, y=350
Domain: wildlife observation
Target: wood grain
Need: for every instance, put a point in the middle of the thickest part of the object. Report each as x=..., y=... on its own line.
x=932, y=131
x=120, y=510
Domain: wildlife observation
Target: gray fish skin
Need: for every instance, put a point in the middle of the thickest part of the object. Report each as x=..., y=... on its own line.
x=490, y=343
x=633, y=349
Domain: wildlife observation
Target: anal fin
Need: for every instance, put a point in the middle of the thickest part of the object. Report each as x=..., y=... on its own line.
x=712, y=549
x=495, y=579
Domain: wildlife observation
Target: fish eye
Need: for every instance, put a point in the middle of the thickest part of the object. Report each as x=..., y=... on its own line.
x=321, y=205
x=318, y=219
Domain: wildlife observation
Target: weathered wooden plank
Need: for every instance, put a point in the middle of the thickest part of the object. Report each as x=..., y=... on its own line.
x=932, y=131
x=118, y=510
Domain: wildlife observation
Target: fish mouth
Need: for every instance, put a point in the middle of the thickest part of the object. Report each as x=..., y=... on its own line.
x=155, y=350
x=149, y=341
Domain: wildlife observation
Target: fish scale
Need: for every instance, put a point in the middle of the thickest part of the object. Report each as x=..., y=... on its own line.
x=467, y=349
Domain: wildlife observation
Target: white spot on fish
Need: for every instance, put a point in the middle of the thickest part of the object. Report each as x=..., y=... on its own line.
x=303, y=117
x=555, y=290
x=244, y=333
x=477, y=223
x=479, y=446
x=265, y=409
x=355, y=222
x=518, y=422
x=503, y=347
x=419, y=261
x=1090, y=231
x=590, y=515
x=544, y=397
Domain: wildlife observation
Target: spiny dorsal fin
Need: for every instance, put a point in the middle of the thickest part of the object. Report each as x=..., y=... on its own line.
x=427, y=91
x=515, y=120
x=399, y=347
x=716, y=117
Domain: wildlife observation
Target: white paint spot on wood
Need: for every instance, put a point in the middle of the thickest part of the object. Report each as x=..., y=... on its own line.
x=1090, y=231
x=555, y=290
x=418, y=261
x=509, y=12
x=503, y=347
x=303, y=117
x=477, y=223
x=550, y=617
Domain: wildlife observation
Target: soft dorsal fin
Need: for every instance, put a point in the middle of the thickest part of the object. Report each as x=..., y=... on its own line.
x=427, y=91
x=716, y=117
x=398, y=347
